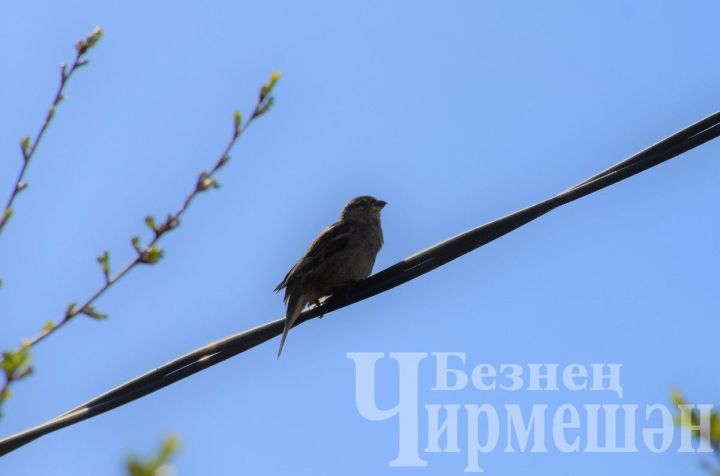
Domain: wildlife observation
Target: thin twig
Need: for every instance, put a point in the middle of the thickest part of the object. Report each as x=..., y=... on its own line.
x=28, y=147
x=151, y=253
x=15, y=364
x=205, y=181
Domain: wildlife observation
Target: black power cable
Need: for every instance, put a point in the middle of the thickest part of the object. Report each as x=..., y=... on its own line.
x=400, y=273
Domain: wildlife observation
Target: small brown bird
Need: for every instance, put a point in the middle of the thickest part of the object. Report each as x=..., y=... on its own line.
x=341, y=255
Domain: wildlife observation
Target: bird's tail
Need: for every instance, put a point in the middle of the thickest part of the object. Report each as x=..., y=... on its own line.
x=294, y=308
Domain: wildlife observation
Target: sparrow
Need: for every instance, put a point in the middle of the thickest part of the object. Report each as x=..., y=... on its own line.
x=341, y=255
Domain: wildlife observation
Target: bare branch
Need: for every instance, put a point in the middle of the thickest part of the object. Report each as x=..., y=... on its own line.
x=28, y=147
x=16, y=363
x=152, y=253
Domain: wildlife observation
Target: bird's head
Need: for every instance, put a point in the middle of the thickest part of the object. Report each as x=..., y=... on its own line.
x=362, y=208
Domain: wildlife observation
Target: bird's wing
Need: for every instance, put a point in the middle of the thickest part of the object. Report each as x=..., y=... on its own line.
x=332, y=239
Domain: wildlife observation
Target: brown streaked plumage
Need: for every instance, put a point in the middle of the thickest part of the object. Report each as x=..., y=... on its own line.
x=342, y=254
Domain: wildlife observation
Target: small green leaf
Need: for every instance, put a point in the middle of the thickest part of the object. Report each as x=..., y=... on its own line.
x=15, y=364
x=7, y=214
x=170, y=223
x=151, y=255
x=135, y=467
x=136, y=243
x=150, y=222
x=25, y=146
x=169, y=447
x=104, y=260
x=90, y=311
x=274, y=77
x=267, y=88
x=70, y=310
x=83, y=46
x=237, y=117
x=48, y=326
x=264, y=107
x=94, y=37
x=152, y=466
x=205, y=182
x=676, y=397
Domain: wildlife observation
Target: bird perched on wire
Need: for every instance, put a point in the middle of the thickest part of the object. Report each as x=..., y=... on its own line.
x=341, y=255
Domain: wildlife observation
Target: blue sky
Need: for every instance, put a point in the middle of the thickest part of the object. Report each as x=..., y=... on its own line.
x=456, y=113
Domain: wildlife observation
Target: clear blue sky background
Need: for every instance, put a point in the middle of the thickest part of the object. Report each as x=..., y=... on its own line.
x=456, y=113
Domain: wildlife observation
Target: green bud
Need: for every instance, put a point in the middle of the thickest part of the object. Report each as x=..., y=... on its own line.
x=7, y=214
x=90, y=311
x=16, y=365
x=151, y=255
x=150, y=222
x=136, y=243
x=206, y=181
x=104, y=260
x=237, y=117
x=83, y=46
x=264, y=107
x=25, y=146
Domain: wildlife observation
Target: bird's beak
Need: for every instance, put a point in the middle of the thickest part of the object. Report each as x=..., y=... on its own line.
x=379, y=204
